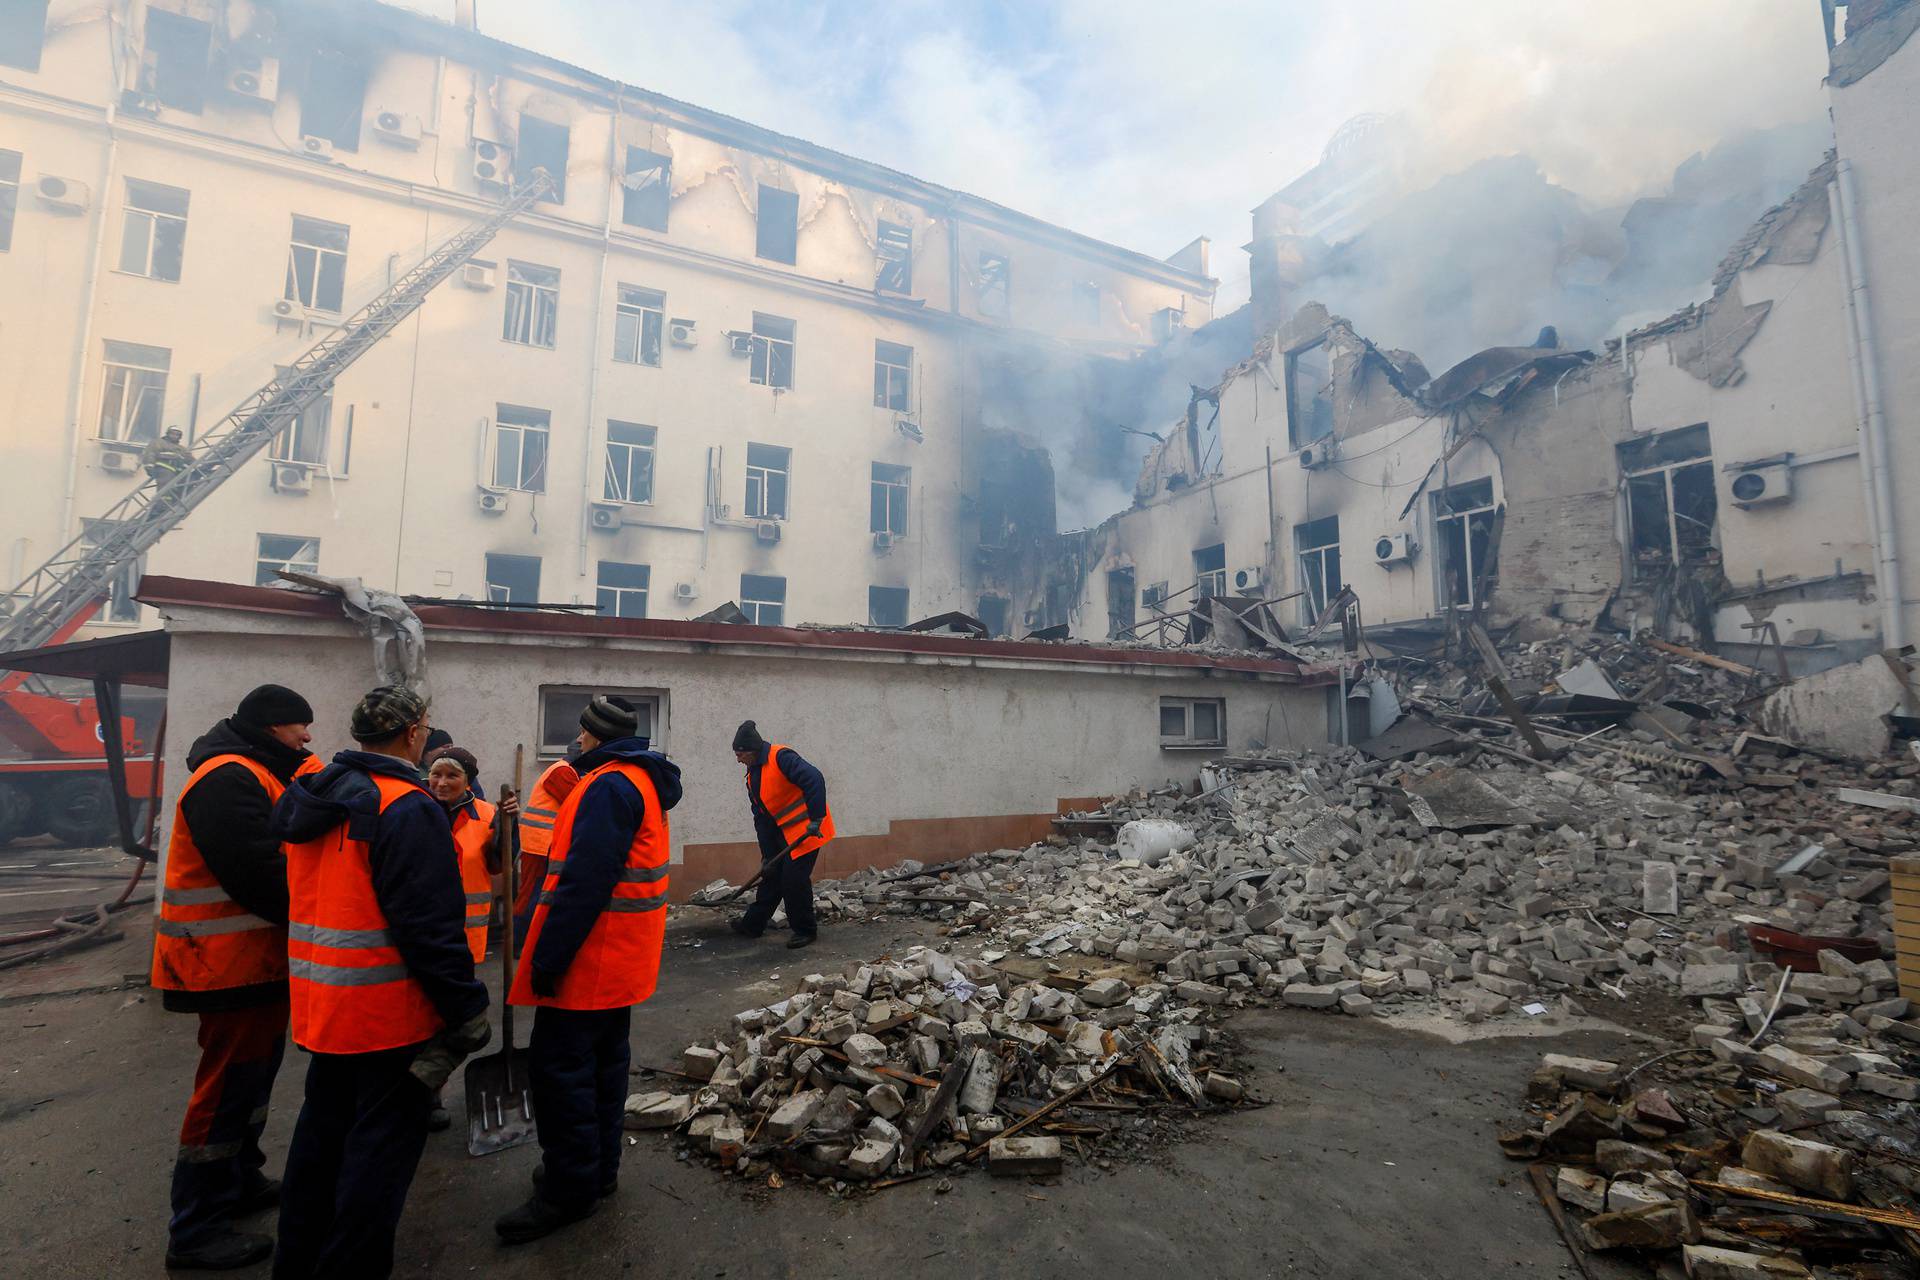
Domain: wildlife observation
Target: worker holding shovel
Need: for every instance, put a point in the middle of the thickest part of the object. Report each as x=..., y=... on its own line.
x=788, y=798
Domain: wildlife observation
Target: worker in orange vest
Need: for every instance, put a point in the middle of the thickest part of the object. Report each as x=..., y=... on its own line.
x=381, y=983
x=593, y=952
x=220, y=951
x=788, y=798
x=536, y=833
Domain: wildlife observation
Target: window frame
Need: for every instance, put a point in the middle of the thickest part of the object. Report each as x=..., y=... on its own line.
x=637, y=461
x=1189, y=738
x=289, y=444
x=177, y=87
x=1209, y=580
x=532, y=301
x=892, y=376
x=9, y=194
x=893, y=254
x=766, y=347
x=621, y=592
x=332, y=73
x=145, y=392
x=1458, y=514
x=1123, y=617
x=121, y=607
x=876, y=595
x=769, y=247
x=38, y=42
x=151, y=220
x=1314, y=563
x=557, y=716
x=890, y=499
x=639, y=314
x=264, y=566
x=634, y=200
x=761, y=484
x=328, y=265
x=523, y=421
x=1665, y=455
x=757, y=606
x=505, y=589
x=994, y=295
x=1313, y=424
x=541, y=140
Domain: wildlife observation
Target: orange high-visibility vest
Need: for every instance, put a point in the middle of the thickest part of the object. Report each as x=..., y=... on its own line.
x=204, y=940
x=619, y=962
x=350, y=990
x=538, y=813
x=783, y=800
x=472, y=831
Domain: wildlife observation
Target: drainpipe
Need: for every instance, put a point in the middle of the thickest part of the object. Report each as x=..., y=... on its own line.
x=1873, y=419
x=589, y=473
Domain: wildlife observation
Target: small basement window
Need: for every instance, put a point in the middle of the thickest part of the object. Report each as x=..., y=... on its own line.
x=560, y=708
x=1193, y=722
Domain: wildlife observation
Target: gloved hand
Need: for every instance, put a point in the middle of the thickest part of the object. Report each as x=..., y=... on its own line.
x=446, y=1051
x=545, y=983
x=813, y=828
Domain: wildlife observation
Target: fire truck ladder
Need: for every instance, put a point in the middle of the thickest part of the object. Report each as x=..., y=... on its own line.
x=81, y=573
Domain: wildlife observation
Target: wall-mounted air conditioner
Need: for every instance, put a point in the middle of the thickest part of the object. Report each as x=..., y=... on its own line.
x=288, y=309
x=1394, y=548
x=1755, y=485
x=681, y=333
x=605, y=517
x=475, y=275
x=1317, y=454
x=767, y=531
x=254, y=78
x=492, y=501
x=884, y=540
x=492, y=162
x=291, y=477
x=397, y=129
x=738, y=343
x=318, y=148
x=684, y=591
x=62, y=194
x=120, y=462
x=1249, y=582
x=910, y=429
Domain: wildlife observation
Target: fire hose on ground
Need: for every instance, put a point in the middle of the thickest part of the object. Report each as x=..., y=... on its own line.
x=78, y=929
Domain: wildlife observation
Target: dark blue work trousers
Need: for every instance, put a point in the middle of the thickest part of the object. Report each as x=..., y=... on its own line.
x=577, y=1069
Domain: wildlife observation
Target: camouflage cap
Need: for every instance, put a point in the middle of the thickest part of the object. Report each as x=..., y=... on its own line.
x=385, y=711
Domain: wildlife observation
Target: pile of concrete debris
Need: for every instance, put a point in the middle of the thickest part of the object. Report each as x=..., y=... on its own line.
x=1770, y=1148
x=917, y=1067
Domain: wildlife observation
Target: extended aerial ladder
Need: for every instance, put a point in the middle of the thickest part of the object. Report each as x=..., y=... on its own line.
x=72, y=583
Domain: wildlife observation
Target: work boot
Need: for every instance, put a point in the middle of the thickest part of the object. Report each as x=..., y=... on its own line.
x=227, y=1251
x=262, y=1193
x=607, y=1188
x=539, y=1217
x=800, y=940
x=439, y=1120
x=740, y=926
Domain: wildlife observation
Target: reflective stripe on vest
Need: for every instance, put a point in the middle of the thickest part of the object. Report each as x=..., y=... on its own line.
x=351, y=992
x=472, y=834
x=787, y=805
x=618, y=964
x=204, y=940
x=539, y=812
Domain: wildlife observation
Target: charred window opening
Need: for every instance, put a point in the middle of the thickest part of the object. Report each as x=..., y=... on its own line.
x=133, y=392
x=317, y=264
x=1120, y=610
x=542, y=145
x=763, y=598
x=768, y=469
x=277, y=552
x=1672, y=505
x=174, y=67
x=621, y=589
x=778, y=235
x=638, y=317
x=520, y=437
x=1309, y=394
x=1318, y=545
x=886, y=606
x=335, y=96
x=532, y=316
x=9, y=196
x=773, y=351
x=153, y=237
x=1153, y=599
x=888, y=499
x=647, y=189
x=630, y=448
x=993, y=612
x=1210, y=571
x=1464, y=516
x=23, y=30
x=513, y=579
x=1086, y=305
x=892, y=376
x=895, y=273
x=995, y=285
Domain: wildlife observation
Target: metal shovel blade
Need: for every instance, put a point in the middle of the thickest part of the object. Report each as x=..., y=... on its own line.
x=499, y=1103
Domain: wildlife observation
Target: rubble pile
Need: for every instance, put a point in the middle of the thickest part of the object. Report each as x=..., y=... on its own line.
x=923, y=1065
x=1786, y=1153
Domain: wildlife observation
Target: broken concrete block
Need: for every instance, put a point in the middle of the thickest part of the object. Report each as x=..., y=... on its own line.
x=1596, y=1074
x=1616, y=1157
x=885, y=1101
x=1023, y=1156
x=1223, y=1087
x=972, y=1033
x=699, y=1061
x=1698, y=980
x=863, y=1050
x=1624, y=1194
x=1660, y=889
x=1899, y=1088
x=1813, y=1167
x=1104, y=993
x=1582, y=1188
x=1800, y=1069
x=1356, y=1005
x=1666, y=1225
x=1306, y=995
x=981, y=1088
x=1705, y=1262
x=870, y=1158
x=657, y=1110
x=792, y=1116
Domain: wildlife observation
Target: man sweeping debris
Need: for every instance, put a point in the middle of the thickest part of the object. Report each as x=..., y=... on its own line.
x=788, y=798
x=593, y=952
x=220, y=951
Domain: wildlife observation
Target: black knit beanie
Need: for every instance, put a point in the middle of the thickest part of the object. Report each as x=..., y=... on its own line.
x=747, y=737
x=609, y=716
x=273, y=704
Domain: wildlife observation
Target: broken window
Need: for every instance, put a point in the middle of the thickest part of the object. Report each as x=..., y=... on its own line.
x=1210, y=571
x=888, y=504
x=1086, y=305
x=153, y=238
x=895, y=268
x=520, y=438
x=121, y=605
x=532, y=316
x=335, y=95
x=892, y=375
x=647, y=189
x=1318, y=544
x=1120, y=611
x=1168, y=321
x=778, y=237
x=763, y=598
x=274, y=552
x=560, y=710
x=995, y=291
x=1153, y=600
x=513, y=580
x=773, y=351
x=1193, y=722
x=133, y=392
x=886, y=606
x=306, y=440
x=1309, y=394
x=543, y=145
x=638, y=318
x=23, y=30
x=317, y=264
x=767, y=481
x=993, y=612
x=1671, y=502
x=174, y=67
x=629, y=462
x=1463, y=517
x=622, y=589
x=9, y=196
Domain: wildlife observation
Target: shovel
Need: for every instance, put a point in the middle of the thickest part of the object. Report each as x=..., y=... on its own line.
x=759, y=875
x=499, y=1094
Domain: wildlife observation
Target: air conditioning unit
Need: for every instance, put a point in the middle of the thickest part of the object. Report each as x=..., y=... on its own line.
x=1393, y=548
x=254, y=79
x=767, y=531
x=120, y=462
x=884, y=540
x=288, y=309
x=291, y=477
x=492, y=162
x=1249, y=582
x=681, y=332
x=739, y=344
x=63, y=194
x=1318, y=454
x=910, y=429
x=684, y=591
x=493, y=501
x=1755, y=485
x=318, y=148
x=476, y=276
x=605, y=516
x=397, y=129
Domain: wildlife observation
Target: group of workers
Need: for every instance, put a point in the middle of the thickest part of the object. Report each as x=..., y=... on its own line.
x=351, y=901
